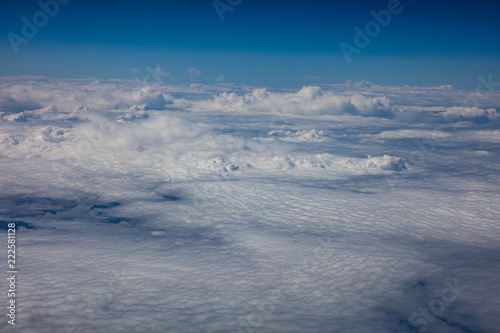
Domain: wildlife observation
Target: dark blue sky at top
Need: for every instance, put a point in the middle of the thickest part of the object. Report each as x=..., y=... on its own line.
x=275, y=43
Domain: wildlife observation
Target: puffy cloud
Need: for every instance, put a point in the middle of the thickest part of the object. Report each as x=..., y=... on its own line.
x=310, y=100
x=473, y=114
x=19, y=117
x=21, y=95
x=161, y=74
x=299, y=136
x=151, y=98
x=195, y=74
x=360, y=84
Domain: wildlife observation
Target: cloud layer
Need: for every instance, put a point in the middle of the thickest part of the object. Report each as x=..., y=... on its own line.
x=160, y=208
x=307, y=101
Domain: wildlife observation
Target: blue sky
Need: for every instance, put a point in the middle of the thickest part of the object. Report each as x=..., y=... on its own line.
x=273, y=43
